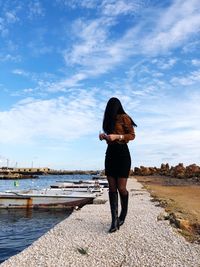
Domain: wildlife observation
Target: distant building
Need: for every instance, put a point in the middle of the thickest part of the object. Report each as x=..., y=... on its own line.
x=7, y=168
x=24, y=170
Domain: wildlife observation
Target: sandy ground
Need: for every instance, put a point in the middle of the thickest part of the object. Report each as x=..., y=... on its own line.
x=82, y=239
x=179, y=196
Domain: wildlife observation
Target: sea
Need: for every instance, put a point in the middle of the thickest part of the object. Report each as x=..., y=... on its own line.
x=20, y=228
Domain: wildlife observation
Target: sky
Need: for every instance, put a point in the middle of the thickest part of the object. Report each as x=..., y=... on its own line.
x=61, y=61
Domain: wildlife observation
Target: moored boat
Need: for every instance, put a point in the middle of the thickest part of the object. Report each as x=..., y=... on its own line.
x=45, y=198
x=84, y=183
x=102, y=182
x=99, y=177
x=80, y=187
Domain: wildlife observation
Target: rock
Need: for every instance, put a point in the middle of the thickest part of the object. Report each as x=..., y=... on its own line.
x=173, y=219
x=178, y=171
x=164, y=169
x=184, y=224
x=136, y=171
x=163, y=216
x=144, y=171
x=179, y=222
x=153, y=170
x=192, y=171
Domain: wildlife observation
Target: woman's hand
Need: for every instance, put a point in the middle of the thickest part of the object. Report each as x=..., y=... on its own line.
x=112, y=137
x=102, y=136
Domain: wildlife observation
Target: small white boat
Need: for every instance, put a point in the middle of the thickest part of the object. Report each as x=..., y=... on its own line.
x=82, y=187
x=102, y=182
x=99, y=177
x=45, y=198
x=85, y=183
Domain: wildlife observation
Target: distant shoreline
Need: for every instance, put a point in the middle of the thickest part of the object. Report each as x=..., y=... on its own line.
x=33, y=174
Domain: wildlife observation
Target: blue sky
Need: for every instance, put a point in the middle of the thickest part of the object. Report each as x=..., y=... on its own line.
x=60, y=62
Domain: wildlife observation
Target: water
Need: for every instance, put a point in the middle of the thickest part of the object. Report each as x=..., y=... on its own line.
x=20, y=228
x=43, y=181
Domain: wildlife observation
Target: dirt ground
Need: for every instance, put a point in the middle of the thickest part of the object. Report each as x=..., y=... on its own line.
x=179, y=197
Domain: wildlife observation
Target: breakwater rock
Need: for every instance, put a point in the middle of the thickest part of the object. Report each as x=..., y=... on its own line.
x=178, y=171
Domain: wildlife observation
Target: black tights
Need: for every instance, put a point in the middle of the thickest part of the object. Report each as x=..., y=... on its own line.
x=117, y=184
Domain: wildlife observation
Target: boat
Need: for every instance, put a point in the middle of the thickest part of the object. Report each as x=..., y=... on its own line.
x=84, y=183
x=102, y=182
x=99, y=177
x=79, y=187
x=45, y=198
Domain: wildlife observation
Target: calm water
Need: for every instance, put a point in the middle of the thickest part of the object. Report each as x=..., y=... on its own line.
x=20, y=228
x=41, y=182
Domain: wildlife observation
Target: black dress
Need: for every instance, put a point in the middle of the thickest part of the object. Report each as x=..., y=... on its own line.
x=117, y=160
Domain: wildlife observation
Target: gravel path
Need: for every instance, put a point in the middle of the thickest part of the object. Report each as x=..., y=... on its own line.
x=82, y=239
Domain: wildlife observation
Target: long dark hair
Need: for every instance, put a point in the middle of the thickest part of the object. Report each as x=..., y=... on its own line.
x=113, y=108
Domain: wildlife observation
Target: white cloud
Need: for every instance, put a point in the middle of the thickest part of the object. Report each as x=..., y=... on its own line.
x=8, y=18
x=35, y=9
x=92, y=36
x=20, y=72
x=196, y=62
x=11, y=13
x=174, y=26
x=38, y=46
x=3, y=28
x=97, y=53
x=79, y=3
x=189, y=79
x=11, y=17
x=63, y=118
x=191, y=46
x=168, y=130
x=94, y=51
x=28, y=90
x=63, y=85
x=165, y=64
x=106, y=7
x=9, y=57
x=120, y=7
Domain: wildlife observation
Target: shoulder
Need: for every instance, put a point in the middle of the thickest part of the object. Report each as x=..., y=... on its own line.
x=126, y=119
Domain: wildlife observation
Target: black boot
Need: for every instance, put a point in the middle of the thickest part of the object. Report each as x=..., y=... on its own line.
x=113, y=197
x=124, y=206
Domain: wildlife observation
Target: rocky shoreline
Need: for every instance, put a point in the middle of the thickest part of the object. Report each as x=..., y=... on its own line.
x=178, y=171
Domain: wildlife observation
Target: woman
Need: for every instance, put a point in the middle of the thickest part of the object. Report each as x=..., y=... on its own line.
x=118, y=131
